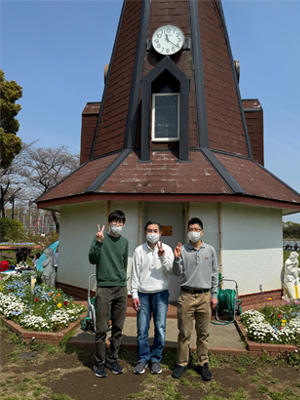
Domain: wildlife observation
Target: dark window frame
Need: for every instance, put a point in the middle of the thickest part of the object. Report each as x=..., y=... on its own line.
x=165, y=64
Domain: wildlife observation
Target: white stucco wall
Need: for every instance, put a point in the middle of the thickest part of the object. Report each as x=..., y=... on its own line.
x=252, y=251
x=251, y=240
x=78, y=228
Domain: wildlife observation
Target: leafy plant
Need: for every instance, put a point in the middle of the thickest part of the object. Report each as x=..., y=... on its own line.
x=280, y=325
x=40, y=309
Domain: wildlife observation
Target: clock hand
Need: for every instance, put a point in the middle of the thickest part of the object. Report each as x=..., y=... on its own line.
x=173, y=43
x=167, y=39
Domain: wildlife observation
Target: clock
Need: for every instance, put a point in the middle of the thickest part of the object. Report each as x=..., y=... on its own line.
x=168, y=40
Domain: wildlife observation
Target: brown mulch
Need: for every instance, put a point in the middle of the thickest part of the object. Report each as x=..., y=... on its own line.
x=71, y=374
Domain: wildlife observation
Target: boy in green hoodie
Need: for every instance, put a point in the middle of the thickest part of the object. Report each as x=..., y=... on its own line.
x=109, y=251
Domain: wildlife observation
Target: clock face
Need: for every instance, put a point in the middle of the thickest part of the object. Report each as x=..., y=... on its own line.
x=168, y=40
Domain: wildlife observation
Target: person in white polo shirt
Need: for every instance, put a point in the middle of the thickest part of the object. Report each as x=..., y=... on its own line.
x=152, y=265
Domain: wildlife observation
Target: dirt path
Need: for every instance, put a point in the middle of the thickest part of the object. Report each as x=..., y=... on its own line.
x=62, y=376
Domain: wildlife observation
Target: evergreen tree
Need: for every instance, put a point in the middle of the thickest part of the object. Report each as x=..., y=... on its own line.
x=10, y=92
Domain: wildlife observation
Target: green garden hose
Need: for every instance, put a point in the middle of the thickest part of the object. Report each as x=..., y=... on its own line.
x=226, y=301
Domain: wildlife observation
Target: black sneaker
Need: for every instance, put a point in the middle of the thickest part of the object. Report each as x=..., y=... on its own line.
x=204, y=372
x=155, y=368
x=99, y=370
x=140, y=368
x=178, y=371
x=114, y=366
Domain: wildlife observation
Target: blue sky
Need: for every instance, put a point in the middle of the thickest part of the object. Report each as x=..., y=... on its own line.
x=56, y=50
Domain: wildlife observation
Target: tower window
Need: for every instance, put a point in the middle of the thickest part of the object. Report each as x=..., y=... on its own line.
x=165, y=117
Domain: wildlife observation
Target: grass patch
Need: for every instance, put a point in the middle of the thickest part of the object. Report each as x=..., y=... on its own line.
x=216, y=386
x=263, y=389
x=7, y=383
x=40, y=390
x=197, y=385
x=239, y=394
x=254, y=379
x=185, y=381
x=129, y=356
x=192, y=373
x=240, y=370
x=139, y=395
x=214, y=361
x=40, y=378
x=171, y=392
x=285, y=395
x=60, y=396
x=169, y=360
x=149, y=379
x=273, y=380
x=245, y=361
x=22, y=388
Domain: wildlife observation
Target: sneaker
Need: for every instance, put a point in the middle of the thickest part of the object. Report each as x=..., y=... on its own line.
x=114, y=366
x=155, y=368
x=140, y=368
x=179, y=371
x=204, y=372
x=99, y=370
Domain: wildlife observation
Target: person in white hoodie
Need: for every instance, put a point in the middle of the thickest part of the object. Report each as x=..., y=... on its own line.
x=152, y=265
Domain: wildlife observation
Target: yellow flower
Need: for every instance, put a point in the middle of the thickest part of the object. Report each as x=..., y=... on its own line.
x=283, y=324
x=59, y=305
x=270, y=298
x=283, y=320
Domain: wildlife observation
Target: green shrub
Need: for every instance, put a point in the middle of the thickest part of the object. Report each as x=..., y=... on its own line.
x=11, y=230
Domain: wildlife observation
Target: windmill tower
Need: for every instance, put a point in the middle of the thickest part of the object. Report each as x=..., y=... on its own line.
x=172, y=139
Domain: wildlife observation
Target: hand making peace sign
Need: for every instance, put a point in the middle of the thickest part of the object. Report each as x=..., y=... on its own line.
x=177, y=250
x=100, y=234
x=161, y=251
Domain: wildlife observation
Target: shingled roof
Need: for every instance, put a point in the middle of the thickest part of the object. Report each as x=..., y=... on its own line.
x=216, y=158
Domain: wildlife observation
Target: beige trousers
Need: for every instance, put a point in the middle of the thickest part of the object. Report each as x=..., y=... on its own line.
x=190, y=305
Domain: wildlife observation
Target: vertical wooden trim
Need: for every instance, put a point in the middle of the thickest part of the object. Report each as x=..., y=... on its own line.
x=140, y=222
x=220, y=236
x=107, y=213
x=187, y=215
x=137, y=76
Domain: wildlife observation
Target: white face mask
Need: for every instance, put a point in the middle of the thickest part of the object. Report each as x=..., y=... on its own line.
x=152, y=237
x=115, y=229
x=194, y=236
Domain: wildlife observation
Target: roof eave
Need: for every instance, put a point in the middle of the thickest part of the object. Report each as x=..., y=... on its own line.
x=56, y=204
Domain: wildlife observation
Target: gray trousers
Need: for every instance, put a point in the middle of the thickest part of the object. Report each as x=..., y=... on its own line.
x=110, y=300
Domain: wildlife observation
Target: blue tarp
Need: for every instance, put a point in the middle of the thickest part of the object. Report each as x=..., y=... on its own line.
x=53, y=246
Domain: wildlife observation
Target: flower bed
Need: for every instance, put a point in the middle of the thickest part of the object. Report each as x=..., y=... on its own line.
x=41, y=309
x=275, y=325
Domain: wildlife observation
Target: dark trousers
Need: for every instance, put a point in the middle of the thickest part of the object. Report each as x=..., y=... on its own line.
x=109, y=300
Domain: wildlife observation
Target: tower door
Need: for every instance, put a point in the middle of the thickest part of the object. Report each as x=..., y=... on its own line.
x=171, y=217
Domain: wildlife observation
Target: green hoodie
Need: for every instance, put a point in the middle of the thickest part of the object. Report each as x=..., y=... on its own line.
x=111, y=260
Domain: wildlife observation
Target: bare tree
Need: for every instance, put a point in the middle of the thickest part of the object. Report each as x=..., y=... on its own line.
x=12, y=185
x=42, y=168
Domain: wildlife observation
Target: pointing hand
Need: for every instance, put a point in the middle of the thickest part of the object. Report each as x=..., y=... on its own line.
x=177, y=250
x=100, y=234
